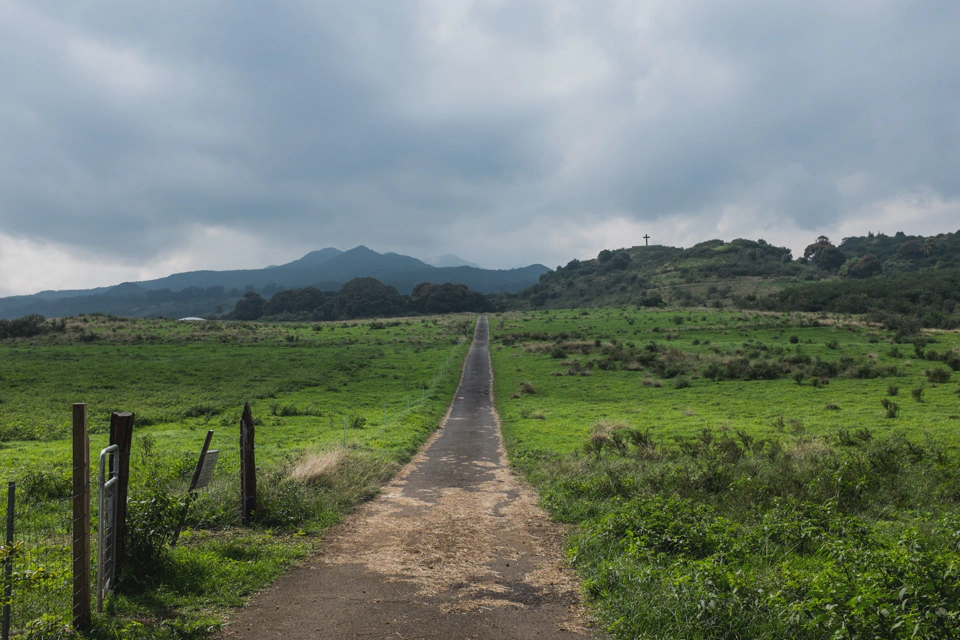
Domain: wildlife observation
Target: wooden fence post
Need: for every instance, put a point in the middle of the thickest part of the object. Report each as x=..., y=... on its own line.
x=8, y=564
x=121, y=434
x=248, y=466
x=81, y=519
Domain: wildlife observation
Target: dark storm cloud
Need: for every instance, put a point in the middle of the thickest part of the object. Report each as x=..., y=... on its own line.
x=395, y=123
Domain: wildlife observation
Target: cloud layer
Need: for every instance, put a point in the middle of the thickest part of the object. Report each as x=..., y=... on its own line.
x=139, y=138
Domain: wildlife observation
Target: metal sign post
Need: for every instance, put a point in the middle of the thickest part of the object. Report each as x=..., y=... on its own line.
x=201, y=478
x=107, y=523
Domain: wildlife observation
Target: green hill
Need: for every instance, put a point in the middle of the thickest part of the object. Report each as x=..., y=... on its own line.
x=905, y=282
x=711, y=273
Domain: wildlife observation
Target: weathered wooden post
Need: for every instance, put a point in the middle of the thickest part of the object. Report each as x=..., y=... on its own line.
x=8, y=563
x=121, y=434
x=81, y=519
x=248, y=466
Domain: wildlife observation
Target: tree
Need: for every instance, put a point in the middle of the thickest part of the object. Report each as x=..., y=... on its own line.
x=824, y=254
x=305, y=300
x=447, y=298
x=249, y=307
x=867, y=266
x=910, y=250
x=367, y=298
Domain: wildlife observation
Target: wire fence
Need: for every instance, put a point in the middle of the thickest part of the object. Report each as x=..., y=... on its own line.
x=40, y=556
x=39, y=563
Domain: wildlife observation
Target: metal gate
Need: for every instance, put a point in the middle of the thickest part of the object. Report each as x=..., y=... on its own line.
x=107, y=523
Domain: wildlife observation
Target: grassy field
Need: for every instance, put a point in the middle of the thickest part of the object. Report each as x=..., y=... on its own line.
x=740, y=474
x=338, y=407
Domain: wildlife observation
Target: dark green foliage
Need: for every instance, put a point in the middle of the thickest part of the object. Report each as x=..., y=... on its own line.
x=911, y=252
x=892, y=408
x=249, y=307
x=152, y=519
x=447, y=298
x=294, y=301
x=41, y=485
x=29, y=326
x=939, y=375
x=824, y=254
x=865, y=267
x=903, y=303
x=367, y=298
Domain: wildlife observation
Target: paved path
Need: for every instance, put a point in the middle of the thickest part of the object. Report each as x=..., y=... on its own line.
x=455, y=547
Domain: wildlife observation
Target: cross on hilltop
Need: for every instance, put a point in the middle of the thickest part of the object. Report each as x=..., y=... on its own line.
x=646, y=240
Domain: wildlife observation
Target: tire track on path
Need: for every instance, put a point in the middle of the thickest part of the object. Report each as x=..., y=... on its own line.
x=454, y=547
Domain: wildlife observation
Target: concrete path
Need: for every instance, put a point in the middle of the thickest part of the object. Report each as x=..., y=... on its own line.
x=455, y=547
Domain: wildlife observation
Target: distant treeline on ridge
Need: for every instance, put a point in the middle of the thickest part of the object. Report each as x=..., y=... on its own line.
x=359, y=298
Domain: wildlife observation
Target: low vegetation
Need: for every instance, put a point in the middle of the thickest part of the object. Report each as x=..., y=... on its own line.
x=801, y=503
x=337, y=406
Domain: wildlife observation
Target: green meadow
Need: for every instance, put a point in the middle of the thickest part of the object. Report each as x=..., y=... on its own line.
x=742, y=475
x=338, y=407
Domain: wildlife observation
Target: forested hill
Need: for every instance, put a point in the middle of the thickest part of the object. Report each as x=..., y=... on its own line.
x=710, y=272
x=207, y=293
x=905, y=281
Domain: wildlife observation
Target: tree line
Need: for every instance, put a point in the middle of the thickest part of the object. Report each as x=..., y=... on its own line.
x=359, y=298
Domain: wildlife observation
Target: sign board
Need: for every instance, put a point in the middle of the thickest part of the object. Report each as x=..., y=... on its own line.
x=206, y=468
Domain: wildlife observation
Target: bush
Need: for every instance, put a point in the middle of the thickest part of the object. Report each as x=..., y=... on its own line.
x=152, y=521
x=938, y=375
x=892, y=408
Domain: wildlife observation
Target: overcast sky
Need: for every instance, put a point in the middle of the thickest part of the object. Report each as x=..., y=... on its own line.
x=139, y=139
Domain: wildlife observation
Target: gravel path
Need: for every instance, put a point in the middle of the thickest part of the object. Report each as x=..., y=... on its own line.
x=454, y=547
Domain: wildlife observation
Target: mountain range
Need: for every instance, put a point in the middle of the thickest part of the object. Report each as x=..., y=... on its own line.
x=203, y=292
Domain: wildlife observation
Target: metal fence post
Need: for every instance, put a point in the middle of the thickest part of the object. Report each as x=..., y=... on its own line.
x=8, y=568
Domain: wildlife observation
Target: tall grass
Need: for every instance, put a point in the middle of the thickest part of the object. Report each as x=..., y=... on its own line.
x=727, y=536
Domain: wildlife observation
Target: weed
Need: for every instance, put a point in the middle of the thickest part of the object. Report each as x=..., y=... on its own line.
x=891, y=407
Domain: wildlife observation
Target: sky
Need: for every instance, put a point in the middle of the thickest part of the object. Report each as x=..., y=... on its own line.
x=139, y=139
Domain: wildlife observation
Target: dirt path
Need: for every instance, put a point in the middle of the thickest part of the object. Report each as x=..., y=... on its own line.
x=455, y=547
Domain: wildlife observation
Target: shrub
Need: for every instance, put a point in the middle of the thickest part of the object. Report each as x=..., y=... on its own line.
x=917, y=394
x=938, y=375
x=152, y=520
x=892, y=408
x=794, y=339
x=681, y=382
x=893, y=390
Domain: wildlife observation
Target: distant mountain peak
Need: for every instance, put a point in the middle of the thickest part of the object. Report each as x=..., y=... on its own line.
x=450, y=260
x=313, y=258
